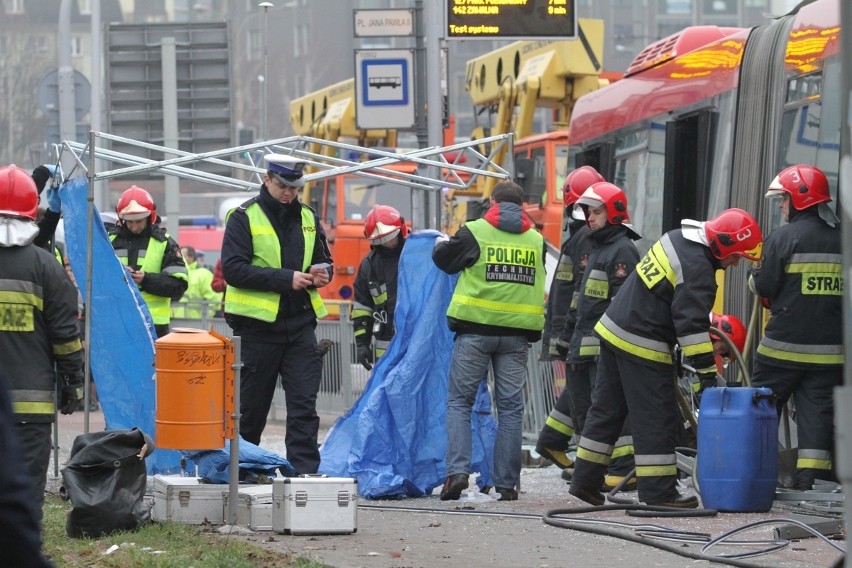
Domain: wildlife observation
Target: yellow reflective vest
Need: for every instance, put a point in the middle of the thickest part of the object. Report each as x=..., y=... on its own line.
x=505, y=287
x=260, y=304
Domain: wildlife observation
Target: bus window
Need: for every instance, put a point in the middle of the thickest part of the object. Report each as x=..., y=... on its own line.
x=639, y=167
x=331, y=201
x=362, y=195
x=317, y=195
x=689, y=167
x=560, y=169
x=807, y=135
x=538, y=187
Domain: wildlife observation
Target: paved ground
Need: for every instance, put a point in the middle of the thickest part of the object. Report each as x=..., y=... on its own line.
x=479, y=531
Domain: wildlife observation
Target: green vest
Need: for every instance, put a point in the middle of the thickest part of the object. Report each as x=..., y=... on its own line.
x=159, y=306
x=266, y=252
x=506, y=285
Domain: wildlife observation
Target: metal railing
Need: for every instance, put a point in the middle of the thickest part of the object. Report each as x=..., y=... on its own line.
x=344, y=379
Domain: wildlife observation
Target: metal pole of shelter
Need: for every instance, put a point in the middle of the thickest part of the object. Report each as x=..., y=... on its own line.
x=434, y=103
x=234, y=474
x=87, y=323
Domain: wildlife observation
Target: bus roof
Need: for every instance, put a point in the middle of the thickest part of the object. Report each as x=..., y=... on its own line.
x=673, y=80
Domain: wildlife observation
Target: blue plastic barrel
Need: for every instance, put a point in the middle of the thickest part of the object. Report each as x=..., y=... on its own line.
x=737, y=463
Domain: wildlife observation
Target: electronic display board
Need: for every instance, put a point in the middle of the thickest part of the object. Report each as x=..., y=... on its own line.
x=490, y=19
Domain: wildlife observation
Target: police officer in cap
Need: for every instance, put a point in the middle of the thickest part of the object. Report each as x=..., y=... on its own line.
x=274, y=258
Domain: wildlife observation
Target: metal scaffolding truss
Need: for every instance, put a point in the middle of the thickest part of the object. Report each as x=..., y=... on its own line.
x=447, y=167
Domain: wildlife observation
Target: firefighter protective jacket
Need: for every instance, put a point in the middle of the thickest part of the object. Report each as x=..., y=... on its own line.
x=248, y=266
x=665, y=301
x=155, y=253
x=613, y=258
x=375, y=295
x=561, y=314
x=802, y=276
x=38, y=327
x=501, y=287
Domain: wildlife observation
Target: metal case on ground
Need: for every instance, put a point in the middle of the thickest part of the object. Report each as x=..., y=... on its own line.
x=314, y=505
x=254, y=507
x=184, y=500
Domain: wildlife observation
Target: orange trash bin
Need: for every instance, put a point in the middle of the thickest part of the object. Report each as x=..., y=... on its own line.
x=192, y=367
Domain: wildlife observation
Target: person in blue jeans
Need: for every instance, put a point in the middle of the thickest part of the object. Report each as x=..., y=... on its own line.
x=496, y=311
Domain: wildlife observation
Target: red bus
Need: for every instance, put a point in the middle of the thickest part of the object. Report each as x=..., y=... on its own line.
x=704, y=119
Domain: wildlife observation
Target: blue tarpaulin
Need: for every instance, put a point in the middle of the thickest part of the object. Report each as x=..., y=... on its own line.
x=122, y=332
x=394, y=438
x=214, y=466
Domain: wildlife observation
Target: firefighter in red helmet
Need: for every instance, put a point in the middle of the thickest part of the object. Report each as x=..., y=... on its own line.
x=612, y=259
x=39, y=336
x=801, y=281
x=375, y=283
x=151, y=257
x=561, y=315
x=663, y=303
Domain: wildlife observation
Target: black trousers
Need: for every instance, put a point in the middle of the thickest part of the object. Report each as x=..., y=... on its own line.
x=34, y=443
x=570, y=411
x=813, y=394
x=299, y=365
x=646, y=390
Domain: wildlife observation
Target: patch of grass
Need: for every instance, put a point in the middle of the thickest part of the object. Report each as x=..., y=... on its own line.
x=156, y=545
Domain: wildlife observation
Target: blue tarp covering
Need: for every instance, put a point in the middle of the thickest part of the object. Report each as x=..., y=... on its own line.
x=122, y=332
x=214, y=466
x=394, y=438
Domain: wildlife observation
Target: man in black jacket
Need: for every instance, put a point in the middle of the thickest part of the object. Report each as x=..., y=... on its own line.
x=664, y=302
x=496, y=311
x=38, y=330
x=561, y=317
x=801, y=280
x=274, y=258
x=151, y=257
x=375, y=283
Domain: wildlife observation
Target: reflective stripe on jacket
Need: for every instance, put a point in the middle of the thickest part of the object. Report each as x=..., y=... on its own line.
x=665, y=301
x=802, y=276
x=38, y=330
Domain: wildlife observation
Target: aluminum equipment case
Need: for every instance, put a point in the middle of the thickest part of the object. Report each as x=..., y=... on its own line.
x=254, y=507
x=314, y=505
x=184, y=500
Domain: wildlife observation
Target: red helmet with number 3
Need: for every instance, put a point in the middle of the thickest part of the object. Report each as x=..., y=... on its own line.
x=577, y=182
x=136, y=204
x=807, y=186
x=383, y=224
x=609, y=196
x=734, y=231
x=732, y=326
x=18, y=193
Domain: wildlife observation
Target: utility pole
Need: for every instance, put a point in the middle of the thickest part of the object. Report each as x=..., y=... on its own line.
x=67, y=116
x=420, y=67
x=264, y=79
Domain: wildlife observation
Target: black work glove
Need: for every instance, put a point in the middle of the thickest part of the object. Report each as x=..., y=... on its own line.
x=70, y=394
x=558, y=349
x=40, y=176
x=705, y=381
x=365, y=356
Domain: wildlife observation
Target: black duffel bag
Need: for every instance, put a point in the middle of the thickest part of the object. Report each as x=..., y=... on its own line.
x=105, y=481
